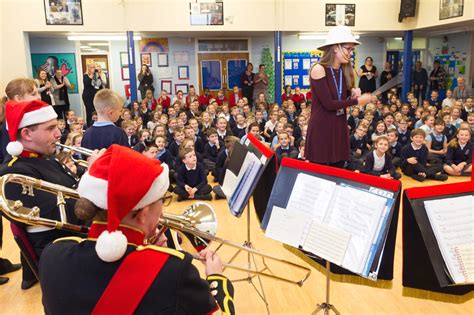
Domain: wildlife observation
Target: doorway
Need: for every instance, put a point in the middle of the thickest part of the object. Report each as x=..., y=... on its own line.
x=102, y=60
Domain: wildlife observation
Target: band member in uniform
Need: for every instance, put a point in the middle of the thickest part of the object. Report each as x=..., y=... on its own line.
x=112, y=271
x=32, y=127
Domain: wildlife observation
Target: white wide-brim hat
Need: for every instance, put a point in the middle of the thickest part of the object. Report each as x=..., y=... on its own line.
x=339, y=35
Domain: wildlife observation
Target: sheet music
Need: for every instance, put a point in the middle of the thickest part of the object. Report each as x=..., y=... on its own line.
x=286, y=226
x=229, y=184
x=357, y=212
x=242, y=190
x=452, y=221
x=327, y=242
x=311, y=195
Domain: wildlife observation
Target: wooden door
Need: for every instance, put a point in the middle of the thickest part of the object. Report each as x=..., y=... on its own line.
x=102, y=60
x=221, y=70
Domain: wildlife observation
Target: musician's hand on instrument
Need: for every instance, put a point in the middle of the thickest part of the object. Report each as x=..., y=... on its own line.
x=212, y=261
x=355, y=93
x=94, y=156
x=161, y=240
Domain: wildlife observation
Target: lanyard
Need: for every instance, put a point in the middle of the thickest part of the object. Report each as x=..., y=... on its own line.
x=338, y=90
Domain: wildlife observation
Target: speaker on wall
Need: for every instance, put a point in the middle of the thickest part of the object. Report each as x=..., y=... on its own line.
x=407, y=9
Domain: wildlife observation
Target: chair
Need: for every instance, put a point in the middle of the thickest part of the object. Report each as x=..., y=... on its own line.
x=26, y=249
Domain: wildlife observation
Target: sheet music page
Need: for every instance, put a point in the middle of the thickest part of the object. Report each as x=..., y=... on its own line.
x=465, y=255
x=327, y=242
x=357, y=212
x=230, y=182
x=242, y=190
x=311, y=195
x=286, y=226
x=452, y=221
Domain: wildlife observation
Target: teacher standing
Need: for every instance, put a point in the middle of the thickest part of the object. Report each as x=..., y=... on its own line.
x=331, y=81
x=92, y=84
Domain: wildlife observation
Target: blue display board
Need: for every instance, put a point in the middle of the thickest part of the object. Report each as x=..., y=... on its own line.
x=211, y=74
x=295, y=68
x=235, y=67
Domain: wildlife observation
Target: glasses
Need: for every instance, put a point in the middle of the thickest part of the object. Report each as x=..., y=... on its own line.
x=349, y=48
x=166, y=199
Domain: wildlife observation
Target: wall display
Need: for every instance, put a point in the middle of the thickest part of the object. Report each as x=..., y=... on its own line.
x=340, y=14
x=146, y=59
x=450, y=9
x=125, y=74
x=183, y=72
x=182, y=87
x=166, y=86
x=63, y=12
x=162, y=60
x=52, y=62
x=181, y=56
x=296, y=65
x=153, y=45
x=206, y=13
x=164, y=72
x=123, y=59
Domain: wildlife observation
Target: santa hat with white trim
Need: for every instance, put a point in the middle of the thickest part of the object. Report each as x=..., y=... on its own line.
x=23, y=114
x=109, y=185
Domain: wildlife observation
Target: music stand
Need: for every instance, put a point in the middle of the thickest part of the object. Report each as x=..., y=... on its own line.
x=326, y=307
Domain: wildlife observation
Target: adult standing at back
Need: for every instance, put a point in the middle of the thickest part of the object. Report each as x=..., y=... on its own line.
x=420, y=80
x=246, y=82
x=367, y=73
x=260, y=83
x=61, y=99
x=331, y=80
x=386, y=75
x=146, y=81
x=92, y=84
x=438, y=79
x=44, y=86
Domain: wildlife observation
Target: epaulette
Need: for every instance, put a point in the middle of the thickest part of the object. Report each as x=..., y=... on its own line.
x=166, y=250
x=70, y=238
x=13, y=160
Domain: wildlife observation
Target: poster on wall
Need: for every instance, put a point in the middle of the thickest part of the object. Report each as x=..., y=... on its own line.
x=63, y=12
x=146, y=59
x=52, y=62
x=340, y=14
x=296, y=64
x=207, y=13
x=153, y=45
x=450, y=9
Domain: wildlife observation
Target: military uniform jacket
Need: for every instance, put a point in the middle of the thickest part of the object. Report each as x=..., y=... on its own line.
x=73, y=279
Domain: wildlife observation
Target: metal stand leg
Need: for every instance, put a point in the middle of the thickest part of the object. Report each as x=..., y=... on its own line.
x=326, y=307
x=251, y=261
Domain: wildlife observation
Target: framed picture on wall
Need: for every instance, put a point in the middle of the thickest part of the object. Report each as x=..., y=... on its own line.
x=123, y=59
x=183, y=72
x=166, y=86
x=125, y=74
x=450, y=9
x=340, y=14
x=162, y=60
x=182, y=87
x=146, y=59
x=63, y=12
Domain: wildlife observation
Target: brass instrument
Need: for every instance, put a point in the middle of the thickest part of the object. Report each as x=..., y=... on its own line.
x=80, y=150
x=192, y=231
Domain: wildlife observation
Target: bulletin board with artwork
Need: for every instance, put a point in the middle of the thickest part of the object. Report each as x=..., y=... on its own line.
x=296, y=65
x=454, y=63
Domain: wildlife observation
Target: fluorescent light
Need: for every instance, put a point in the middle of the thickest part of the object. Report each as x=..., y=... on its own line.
x=101, y=37
x=398, y=38
x=98, y=44
x=85, y=47
x=309, y=36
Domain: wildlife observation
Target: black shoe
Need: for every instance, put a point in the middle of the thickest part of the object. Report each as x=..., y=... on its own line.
x=26, y=284
x=9, y=267
x=418, y=177
x=203, y=197
x=3, y=280
x=180, y=198
x=441, y=177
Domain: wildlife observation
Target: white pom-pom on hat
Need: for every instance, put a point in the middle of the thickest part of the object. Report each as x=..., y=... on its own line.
x=14, y=148
x=111, y=246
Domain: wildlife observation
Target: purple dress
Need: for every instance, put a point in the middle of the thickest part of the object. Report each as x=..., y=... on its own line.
x=328, y=134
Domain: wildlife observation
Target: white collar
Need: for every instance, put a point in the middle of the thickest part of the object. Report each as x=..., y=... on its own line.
x=191, y=169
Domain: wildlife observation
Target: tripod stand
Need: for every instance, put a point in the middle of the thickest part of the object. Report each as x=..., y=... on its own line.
x=326, y=307
x=251, y=261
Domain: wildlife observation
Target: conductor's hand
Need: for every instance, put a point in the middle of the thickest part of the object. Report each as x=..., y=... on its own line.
x=355, y=93
x=212, y=261
x=364, y=99
x=94, y=156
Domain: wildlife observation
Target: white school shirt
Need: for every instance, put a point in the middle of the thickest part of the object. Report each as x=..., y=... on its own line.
x=379, y=162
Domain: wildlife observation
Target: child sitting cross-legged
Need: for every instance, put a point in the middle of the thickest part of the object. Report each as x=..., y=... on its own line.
x=379, y=162
x=191, y=180
x=459, y=155
x=285, y=149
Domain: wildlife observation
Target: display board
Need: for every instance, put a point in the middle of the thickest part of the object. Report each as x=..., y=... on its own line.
x=296, y=65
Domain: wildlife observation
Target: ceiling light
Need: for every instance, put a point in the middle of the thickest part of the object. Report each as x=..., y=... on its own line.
x=317, y=36
x=398, y=38
x=85, y=47
x=98, y=44
x=101, y=37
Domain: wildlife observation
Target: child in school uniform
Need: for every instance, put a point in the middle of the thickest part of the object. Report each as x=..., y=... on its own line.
x=178, y=138
x=211, y=150
x=394, y=147
x=380, y=130
x=459, y=154
x=240, y=128
x=378, y=162
x=359, y=146
x=222, y=129
x=191, y=178
x=437, y=143
x=449, y=130
x=353, y=120
x=270, y=125
x=189, y=133
x=254, y=129
x=428, y=124
x=103, y=133
x=129, y=127
x=279, y=128
x=284, y=148
x=415, y=160
x=64, y=131
x=403, y=131
x=162, y=153
x=143, y=136
x=221, y=165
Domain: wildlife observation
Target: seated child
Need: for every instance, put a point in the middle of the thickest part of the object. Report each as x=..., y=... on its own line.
x=403, y=131
x=380, y=130
x=437, y=143
x=415, y=159
x=459, y=155
x=240, y=127
x=449, y=129
x=359, y=147
x=150, y=151
x=221, y=165
x=191, y=179
x=353, y=120
x=301, y=156
x=395, y=148
x=178, y=136
x=64, y=131
x=187, y=143
x=285, y=149
x=129, y=127
x=211, y=150
x=254, y=129
x=143, y=135
x=103, y=133
x=162, y=153
x=378, y=162
x=190, y=133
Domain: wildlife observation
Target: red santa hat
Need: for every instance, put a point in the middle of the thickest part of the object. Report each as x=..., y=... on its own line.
x=109, y=185
x=23, y=114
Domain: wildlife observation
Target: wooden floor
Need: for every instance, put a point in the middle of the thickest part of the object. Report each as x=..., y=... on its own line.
x=350, y=295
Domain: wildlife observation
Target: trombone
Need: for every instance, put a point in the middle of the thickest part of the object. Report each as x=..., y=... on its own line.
x=80, y=150
x=195, y=229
